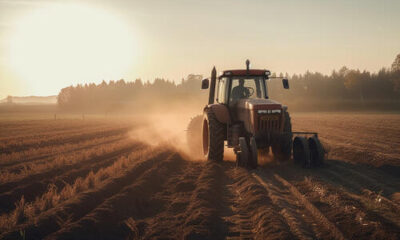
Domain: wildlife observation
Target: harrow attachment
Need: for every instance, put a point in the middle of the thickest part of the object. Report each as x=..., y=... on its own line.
x=308, y=151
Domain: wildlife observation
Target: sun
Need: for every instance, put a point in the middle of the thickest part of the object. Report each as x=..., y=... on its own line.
x=58, y=45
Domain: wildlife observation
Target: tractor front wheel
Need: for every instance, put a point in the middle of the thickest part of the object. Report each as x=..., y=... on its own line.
x=242, y=156
x=253, y=160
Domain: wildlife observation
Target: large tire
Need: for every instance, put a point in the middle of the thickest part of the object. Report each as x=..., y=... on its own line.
x=301, y=152
x=317, y=152
x=213, y=137
x=193, y=136
x=242, y=157
x=282, y=148
x=253, y=159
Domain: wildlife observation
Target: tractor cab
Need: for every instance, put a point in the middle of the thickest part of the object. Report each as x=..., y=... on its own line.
x=234, y=85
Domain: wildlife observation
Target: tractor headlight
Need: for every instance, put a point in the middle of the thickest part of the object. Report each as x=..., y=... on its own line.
x=276, y=111
x=269, y=111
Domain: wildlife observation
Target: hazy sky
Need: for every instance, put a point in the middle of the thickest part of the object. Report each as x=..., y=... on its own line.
x=47, y=45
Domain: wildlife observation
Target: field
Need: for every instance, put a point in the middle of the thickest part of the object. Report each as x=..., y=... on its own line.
x=122, y=179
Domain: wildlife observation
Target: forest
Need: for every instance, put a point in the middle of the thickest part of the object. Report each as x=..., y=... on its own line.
x=344, y=89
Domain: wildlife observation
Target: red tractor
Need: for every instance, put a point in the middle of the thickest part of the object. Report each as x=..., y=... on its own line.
x=240, y=113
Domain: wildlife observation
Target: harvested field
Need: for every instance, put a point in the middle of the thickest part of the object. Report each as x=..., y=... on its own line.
x=99, y=179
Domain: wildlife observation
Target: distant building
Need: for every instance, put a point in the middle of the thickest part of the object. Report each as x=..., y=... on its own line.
x=9, y=100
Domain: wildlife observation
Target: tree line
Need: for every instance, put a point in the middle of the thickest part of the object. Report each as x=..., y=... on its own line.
x=113, y=95
x=342, y=89
x=354, y=88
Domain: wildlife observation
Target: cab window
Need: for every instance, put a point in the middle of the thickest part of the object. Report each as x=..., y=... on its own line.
x=221, y=93
x=246, y=88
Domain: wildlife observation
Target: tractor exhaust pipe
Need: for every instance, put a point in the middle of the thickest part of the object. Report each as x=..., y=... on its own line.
x=212, y=87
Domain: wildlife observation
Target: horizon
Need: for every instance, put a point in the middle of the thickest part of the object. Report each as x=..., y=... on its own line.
x=176, y=82
x=183, y=37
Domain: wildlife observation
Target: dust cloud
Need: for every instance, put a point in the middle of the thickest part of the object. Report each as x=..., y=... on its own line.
x=167, y=126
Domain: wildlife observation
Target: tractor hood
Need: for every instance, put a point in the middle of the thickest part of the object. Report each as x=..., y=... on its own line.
x=259, y=115
x=258, y=104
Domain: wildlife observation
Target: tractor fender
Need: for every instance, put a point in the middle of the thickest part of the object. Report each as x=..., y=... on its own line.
x=220, y=111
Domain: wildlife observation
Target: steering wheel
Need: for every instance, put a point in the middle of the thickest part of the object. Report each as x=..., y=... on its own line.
x=251, y=91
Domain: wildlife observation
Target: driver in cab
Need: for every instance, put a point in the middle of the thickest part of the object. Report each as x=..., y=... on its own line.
x=240, y=91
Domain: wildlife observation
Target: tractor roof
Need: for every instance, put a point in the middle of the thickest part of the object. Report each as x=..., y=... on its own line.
x=244, y=73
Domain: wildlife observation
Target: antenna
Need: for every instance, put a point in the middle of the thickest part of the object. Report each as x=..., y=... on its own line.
x=247, y=64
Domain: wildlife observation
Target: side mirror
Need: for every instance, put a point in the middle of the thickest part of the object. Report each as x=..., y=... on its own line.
x=205, y=83
x=285, y=83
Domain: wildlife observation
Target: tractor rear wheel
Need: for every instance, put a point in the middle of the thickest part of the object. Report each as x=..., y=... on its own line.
x=193, y=136
x=282, y=149
x=213, y=137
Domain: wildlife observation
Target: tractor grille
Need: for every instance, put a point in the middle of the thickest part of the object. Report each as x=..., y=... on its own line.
x=269, y=122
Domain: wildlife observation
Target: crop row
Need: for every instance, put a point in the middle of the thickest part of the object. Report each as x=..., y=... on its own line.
x=21, y=144
x=62, y=160
x=29, y=211
x=32, y=154
x=29, y=128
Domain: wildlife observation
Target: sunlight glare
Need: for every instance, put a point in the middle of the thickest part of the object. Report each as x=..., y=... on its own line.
x=57, y=45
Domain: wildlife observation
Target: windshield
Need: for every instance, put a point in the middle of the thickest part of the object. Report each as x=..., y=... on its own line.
x=247, y=87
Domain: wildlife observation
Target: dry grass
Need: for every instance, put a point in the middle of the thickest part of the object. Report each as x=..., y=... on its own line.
x=28, y=212
x=35, y=147
x=30, y=168
x=39, y=140
x=325, y=195
x=20, y=127
x=42, y=152
x=362, y=209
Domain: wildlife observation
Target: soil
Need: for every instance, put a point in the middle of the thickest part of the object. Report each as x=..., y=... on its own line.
x=171, y=195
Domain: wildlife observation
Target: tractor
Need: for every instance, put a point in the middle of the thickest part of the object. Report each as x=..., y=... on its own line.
x=240, y=115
